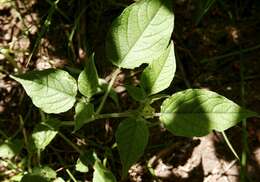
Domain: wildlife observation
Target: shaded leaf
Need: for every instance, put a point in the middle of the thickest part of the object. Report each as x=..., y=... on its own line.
x=51, y=90
x=83, y=112
x=88, y=79
x=102, y=174
x=159, y=74
x=140, y=33
x=137, y=93
x=40, y=174
x=196, y=112
x=131, y=137
x=33, y=177
x=44, y=171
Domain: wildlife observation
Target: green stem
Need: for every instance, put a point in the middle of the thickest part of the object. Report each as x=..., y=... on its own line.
x=230, y=145
x=70, y=143
x=71, y=176
x=113, y=78
x=244, y=130
x=232, y=54
x=103, y=116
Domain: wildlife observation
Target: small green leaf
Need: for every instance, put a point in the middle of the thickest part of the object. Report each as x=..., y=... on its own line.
x=44, y=171
x=83, y=112
x=52, y=90
x=159, y=74
x=44, y=133
x=137, y=93
x=81, y=167
x=88, y=79
x=33, y=177
x=131, y=137
x=140, y=33
x=196, y=112
x=9, y=149
x=40, y=174
x=102, y=174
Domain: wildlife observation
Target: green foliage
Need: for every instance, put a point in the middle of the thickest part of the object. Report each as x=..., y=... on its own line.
x=83, y=112
x=88, y=79
x=101, y=174
x=140, y=34
x=131, y=137
x=52, y=90
x=9, y=149
x=196, y=112
x=159, y=74
x=40, y=174
x=44, y=133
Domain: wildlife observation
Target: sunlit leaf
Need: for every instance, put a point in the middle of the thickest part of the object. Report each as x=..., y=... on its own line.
x=88, y=79
x=81, y=167
x=44, y=133
x=140, y=33
x=102, y=174
x=131, y=137
x=9, y=149
x=159, y=74
x=196, y=112
x=51, y=90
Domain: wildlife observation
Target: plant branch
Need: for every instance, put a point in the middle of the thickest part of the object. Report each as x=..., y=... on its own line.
x=103, y=116
x=112, y=81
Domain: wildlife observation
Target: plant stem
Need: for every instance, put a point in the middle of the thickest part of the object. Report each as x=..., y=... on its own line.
x=232, y=54
x=244, y=130
x=113, y=78
x=103, y=116
x=70, y=143
x=71, y=176
x=229, y=145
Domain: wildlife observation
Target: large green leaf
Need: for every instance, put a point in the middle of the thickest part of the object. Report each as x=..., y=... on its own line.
x=140, y=33
x=102, y=174
x=83, y=112
x=52, y=90
x=88, y=79
x=196, y=112
x=131, y=137
x=159, y=74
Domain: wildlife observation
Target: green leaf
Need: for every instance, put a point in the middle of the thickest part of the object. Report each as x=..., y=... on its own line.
x=137, y=93
x=83, y=112
x=44, y=133
x=196, y=112
x=9, y=149
x=88, y=79
x=131, y=137
x=44, y=171
x=140, y=33
x=159, y=74
x=102, y=174
x=40, y=174
x=81, y=167
x=33, y=177
x=51, y=90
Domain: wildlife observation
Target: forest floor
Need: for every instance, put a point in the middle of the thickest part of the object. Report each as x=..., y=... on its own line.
x=212, y=52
